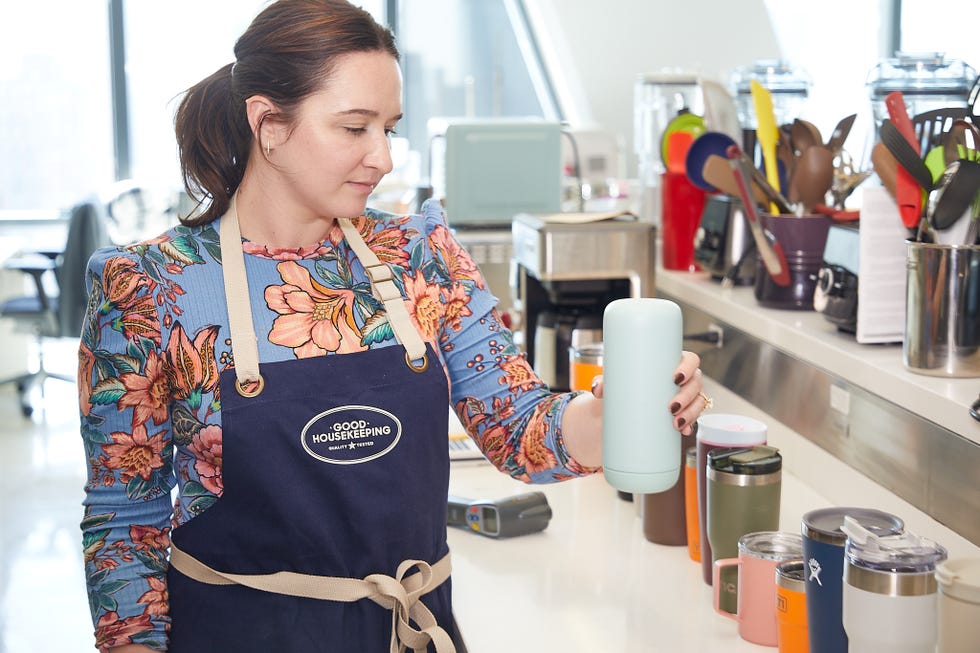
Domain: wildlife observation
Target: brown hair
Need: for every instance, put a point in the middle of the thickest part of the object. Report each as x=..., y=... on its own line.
x=286, y=54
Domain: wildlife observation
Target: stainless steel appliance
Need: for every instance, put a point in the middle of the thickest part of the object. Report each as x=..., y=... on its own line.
x=570, y=271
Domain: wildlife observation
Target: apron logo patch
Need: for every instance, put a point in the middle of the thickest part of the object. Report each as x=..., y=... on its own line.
x=348, y=435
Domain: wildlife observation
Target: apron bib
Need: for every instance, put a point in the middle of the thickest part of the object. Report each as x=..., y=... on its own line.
x=330, y=534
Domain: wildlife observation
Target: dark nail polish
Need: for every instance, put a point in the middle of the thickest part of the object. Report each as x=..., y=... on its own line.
x=681, y=422
x=674, y=407
x=678, y=378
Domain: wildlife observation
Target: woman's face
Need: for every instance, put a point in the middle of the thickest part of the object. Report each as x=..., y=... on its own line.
x=338, y=150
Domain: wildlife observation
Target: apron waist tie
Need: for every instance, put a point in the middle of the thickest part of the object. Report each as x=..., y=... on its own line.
x=399, y=593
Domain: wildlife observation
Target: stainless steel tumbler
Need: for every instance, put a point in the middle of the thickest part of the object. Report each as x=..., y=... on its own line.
x=743, y=490
x=889, y=598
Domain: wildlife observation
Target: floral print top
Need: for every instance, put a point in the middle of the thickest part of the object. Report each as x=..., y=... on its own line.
x=155, y=340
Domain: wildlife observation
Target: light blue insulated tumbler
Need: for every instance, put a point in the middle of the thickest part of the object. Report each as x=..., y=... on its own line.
x=642, y=340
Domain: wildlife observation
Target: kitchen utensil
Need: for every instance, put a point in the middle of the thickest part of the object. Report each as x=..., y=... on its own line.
x=719, y=431
x=705, y=145
x=758, y=555
x=905, y=154
x=889, y=593
x=885, y=166
x=930, y=126
x=717, y=173
x=899, y=116
x=678, y=144
x=804, y=135
x=684, y=121
x=838, y=215
x=823, y=554
x=813, y=177
x=759, y=180
x=956, y=145
x=720, y=112
x=743, y=489
x=955, y=193
x=767, y=132
x=769, y=249
x=846, y=178
x=911, y=176
x=840, y=133
x=975, y=409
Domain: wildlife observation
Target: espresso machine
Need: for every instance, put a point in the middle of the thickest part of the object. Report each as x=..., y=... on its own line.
x=565, y=270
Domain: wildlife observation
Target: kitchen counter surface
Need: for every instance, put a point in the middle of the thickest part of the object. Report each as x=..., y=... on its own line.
x=809, y=336
x=592, y=582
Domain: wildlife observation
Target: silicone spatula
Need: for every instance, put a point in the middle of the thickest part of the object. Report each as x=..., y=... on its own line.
x=908, y=192
x=767, y=134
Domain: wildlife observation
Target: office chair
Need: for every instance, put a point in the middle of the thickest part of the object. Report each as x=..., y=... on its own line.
x=47, y=315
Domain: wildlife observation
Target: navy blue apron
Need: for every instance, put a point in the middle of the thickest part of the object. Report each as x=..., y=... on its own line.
x=338, y=467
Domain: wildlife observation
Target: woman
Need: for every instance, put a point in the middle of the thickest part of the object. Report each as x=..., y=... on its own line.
x=208, y=364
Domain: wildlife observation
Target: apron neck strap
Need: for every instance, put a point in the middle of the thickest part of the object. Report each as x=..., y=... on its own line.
x=244, y=343
x=385, y=290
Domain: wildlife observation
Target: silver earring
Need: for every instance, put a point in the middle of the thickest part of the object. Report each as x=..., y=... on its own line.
x=268, y=148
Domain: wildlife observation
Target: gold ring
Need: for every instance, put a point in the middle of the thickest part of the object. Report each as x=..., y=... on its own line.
x=708, y=401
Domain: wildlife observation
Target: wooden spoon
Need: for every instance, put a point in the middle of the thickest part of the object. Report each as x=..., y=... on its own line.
x=885, y=166
x=717, y=171
x=814, y=176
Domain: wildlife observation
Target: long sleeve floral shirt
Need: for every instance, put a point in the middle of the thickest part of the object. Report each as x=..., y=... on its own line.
x=155, y=340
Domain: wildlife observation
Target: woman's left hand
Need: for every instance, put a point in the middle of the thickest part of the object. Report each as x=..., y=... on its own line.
x=689, y=402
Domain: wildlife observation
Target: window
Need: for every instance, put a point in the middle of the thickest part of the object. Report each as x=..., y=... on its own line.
x=56, y=117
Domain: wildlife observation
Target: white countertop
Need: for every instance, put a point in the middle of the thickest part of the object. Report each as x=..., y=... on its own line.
x=809, y=336
x=592, y=582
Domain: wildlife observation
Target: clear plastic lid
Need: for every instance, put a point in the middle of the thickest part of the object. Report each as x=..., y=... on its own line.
x=901, y=553
x=927, y=73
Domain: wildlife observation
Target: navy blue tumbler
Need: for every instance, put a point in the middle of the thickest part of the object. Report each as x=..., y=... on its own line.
x=823, y=556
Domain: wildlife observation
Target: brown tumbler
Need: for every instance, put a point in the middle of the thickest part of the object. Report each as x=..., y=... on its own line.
x=664, y=514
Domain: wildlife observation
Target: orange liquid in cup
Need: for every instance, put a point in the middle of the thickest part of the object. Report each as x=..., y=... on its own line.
x=585, y=363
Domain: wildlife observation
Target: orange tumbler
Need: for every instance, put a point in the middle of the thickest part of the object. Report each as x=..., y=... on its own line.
x=691, y=503
x=791, y=624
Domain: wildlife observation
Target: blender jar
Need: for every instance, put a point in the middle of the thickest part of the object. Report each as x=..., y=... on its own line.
x=789, y=87
x=657, y=99
x=927, y=81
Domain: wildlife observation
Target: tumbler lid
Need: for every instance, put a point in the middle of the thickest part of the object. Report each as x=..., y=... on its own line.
x=960, y=579
x=824, y=524
x=901, y=553
x=771, y=545
x=730, y=430
x=751, y=461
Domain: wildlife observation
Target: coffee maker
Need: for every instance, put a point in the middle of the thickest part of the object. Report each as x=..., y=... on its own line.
x=566, y=269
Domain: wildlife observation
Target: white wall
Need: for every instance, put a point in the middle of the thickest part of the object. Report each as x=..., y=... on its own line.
x=594, y=51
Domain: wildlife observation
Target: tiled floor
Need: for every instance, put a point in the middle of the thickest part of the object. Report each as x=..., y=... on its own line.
x=43, y=606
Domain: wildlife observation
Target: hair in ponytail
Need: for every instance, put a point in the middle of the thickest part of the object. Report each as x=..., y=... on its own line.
x=286, y=54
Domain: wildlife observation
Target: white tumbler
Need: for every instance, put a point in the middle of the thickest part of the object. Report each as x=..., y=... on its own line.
x=642, y=341
x=889, y=595
x=959, y=605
